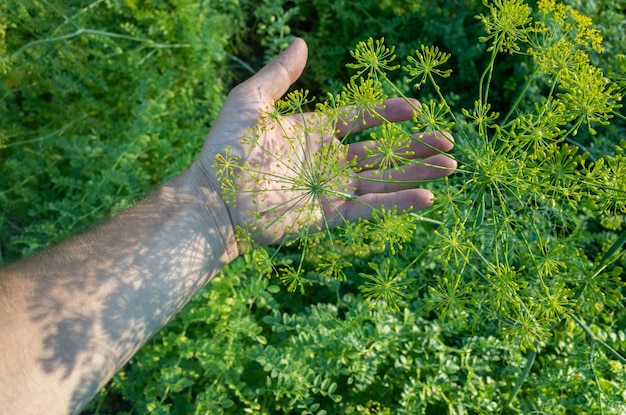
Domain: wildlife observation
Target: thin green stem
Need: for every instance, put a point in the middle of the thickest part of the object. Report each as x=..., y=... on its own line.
x=618, y=115
x=522, y=378
x=93, y=32
x=593, y=337
x=423, y=218
x=483, y=87
x=519, y=98
x=242, y=63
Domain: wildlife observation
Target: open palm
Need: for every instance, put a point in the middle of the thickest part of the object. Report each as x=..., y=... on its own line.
x=291, y=172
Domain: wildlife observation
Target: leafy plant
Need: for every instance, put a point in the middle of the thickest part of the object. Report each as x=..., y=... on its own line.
x=505, y=297
x=100, y=101
x=508, y=232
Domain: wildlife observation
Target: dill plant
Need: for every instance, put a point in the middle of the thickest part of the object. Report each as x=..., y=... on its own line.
x=506, y=248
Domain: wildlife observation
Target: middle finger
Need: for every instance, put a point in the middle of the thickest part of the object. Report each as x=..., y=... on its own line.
x=370, y=153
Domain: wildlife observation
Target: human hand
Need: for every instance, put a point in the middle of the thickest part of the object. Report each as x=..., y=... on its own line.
x=291, y=172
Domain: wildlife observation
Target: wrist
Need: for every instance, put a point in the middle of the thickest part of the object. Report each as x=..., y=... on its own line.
x=199, y=194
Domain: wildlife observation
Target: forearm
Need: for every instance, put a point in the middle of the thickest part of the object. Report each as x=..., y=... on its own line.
x=71, y=317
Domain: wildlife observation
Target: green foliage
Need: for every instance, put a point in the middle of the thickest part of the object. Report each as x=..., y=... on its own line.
x=505, y=297
x=280, y=354
x=79, y=139
x=512, y=241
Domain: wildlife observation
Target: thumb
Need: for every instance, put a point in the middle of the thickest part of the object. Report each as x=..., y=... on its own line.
x=274, y=79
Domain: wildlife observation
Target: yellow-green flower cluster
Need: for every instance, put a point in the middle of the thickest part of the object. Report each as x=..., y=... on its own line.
x=563, y=20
